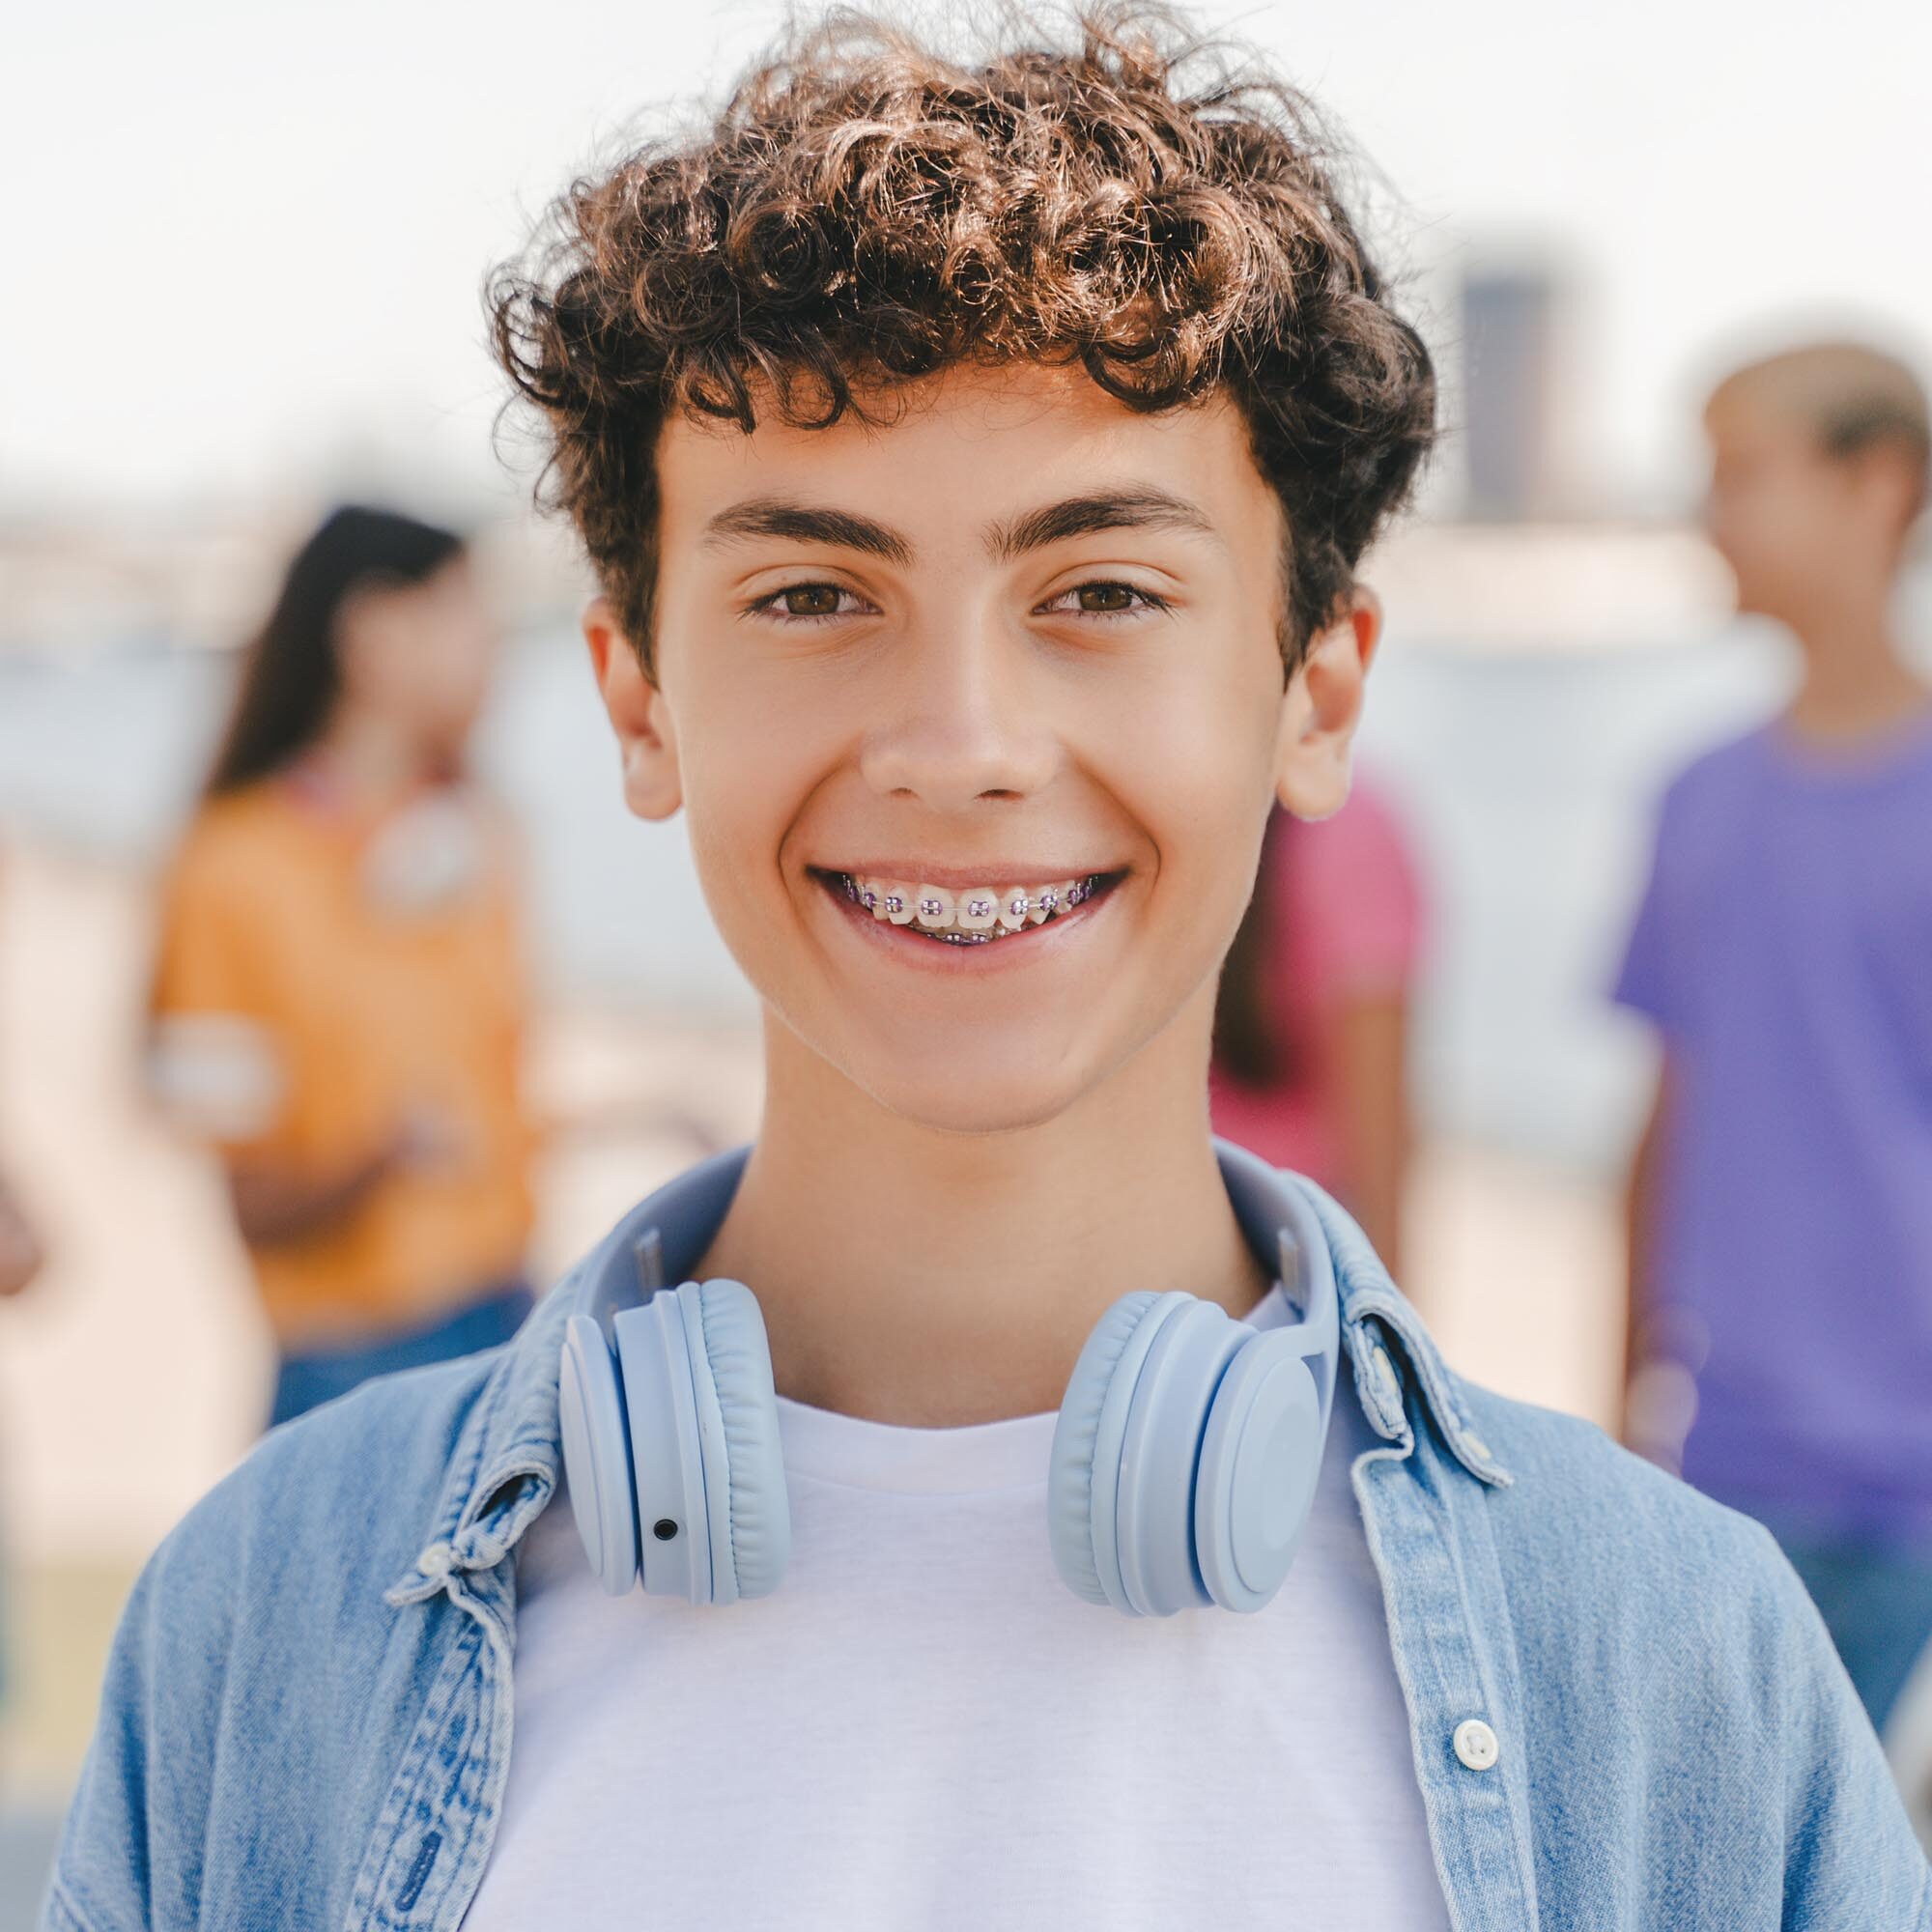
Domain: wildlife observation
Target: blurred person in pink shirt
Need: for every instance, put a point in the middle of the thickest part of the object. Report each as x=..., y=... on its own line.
x=1309, y=1067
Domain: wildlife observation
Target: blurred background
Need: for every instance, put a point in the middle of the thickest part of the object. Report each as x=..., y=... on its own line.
x=244, y=253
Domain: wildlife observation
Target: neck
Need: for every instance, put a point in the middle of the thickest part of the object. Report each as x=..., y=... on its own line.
x=371, y=761
x=1854, y=685
x=935, y=1279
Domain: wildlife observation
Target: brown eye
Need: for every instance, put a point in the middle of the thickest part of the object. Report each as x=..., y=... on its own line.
x=811, y=600
x=1105, y=598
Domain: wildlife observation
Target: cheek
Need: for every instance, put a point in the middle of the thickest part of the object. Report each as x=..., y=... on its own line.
x=1193, y=768
x=415, y=687
x=429, y=676
x=745, y=781
x=1193, y=757
x=1788, y=523
x=1756, y=531
x=462, y=681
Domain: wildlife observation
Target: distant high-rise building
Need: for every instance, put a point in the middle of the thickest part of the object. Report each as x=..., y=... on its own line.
x=1510, y=393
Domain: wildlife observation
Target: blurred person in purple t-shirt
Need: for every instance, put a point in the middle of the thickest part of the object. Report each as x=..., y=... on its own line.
x=1780, y=1310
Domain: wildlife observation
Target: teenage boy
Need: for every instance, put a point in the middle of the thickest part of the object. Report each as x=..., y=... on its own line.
x=976, y=457
x=1782, y=1200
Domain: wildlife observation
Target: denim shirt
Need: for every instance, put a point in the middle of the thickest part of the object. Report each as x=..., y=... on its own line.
x=306, y=1715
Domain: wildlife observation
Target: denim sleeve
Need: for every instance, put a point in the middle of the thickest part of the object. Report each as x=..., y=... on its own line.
x=57, y=1917
x=129, y=1857
x=1851, y=1858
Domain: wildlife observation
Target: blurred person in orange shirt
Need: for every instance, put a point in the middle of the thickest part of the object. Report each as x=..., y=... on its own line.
x=338, y=997
x=1311, y=1023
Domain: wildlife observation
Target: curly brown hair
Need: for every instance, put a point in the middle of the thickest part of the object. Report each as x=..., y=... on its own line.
x=865, y=211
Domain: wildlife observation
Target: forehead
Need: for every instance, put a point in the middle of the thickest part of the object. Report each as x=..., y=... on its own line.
x=972, y=445
x=451, y=586
x=1753, y=419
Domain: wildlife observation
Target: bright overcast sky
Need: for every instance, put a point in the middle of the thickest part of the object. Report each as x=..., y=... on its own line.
x=243, y=241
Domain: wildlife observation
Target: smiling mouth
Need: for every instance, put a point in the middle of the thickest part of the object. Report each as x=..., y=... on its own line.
x=973, y=915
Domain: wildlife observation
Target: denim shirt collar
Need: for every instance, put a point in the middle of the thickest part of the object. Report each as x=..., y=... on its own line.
x=505, y=1467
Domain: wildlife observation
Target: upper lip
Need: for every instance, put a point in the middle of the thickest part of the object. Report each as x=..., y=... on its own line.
x=954, y=878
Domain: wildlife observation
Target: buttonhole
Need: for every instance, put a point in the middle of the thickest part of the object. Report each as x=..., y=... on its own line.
x=417, y=1875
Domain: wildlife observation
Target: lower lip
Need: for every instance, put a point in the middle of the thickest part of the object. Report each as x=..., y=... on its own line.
x=905, y=943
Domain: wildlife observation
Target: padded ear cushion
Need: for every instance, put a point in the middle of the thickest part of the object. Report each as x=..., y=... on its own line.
x=597, y=1455
x=758, y=1541
x=1070, y=1482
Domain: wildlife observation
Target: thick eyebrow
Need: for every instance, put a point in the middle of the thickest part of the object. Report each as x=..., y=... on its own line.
x=1140, y=508
x=800, y=523
x=1143, y=508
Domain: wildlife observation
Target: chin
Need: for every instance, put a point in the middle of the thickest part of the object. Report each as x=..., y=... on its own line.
x=1755, y=597
x=996, y=1100
x=985, y=1110
x=997, y=1114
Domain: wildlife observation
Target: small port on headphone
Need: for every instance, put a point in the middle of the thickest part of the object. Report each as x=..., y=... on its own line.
x=663, y=1529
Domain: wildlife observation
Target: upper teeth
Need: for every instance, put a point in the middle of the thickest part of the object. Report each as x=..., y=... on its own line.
x=979, y=910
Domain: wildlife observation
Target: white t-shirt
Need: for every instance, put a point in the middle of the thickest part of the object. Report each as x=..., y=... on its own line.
x=925, y=1727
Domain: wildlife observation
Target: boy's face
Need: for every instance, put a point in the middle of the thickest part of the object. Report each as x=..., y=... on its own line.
x=1018, y=638
x=1790, y=520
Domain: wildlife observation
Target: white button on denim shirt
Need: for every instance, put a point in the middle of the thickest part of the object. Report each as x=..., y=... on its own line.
x=1476, y=1743
x=1625, y=1713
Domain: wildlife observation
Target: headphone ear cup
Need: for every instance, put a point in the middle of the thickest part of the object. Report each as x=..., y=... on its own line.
x=597, y=1455
x=1080, y=1522
x=751, y=1535
x=1261, y=1454
x=1184, y=1460
x=1159, y=1447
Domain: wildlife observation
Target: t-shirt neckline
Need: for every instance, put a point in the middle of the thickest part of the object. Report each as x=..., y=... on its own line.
x=1897, y=752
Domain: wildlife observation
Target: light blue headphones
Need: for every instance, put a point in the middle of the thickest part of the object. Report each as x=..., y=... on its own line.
x=1184, y=1461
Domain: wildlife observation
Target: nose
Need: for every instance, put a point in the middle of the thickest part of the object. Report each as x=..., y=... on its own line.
x=963, y=716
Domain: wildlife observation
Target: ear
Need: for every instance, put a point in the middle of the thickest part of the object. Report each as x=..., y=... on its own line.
x=637, y=712
x=1322, y=708
x=1890, y=485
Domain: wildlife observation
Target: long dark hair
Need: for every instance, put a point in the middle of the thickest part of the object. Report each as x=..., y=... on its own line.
x=1251, y=1045
x=292, y=673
